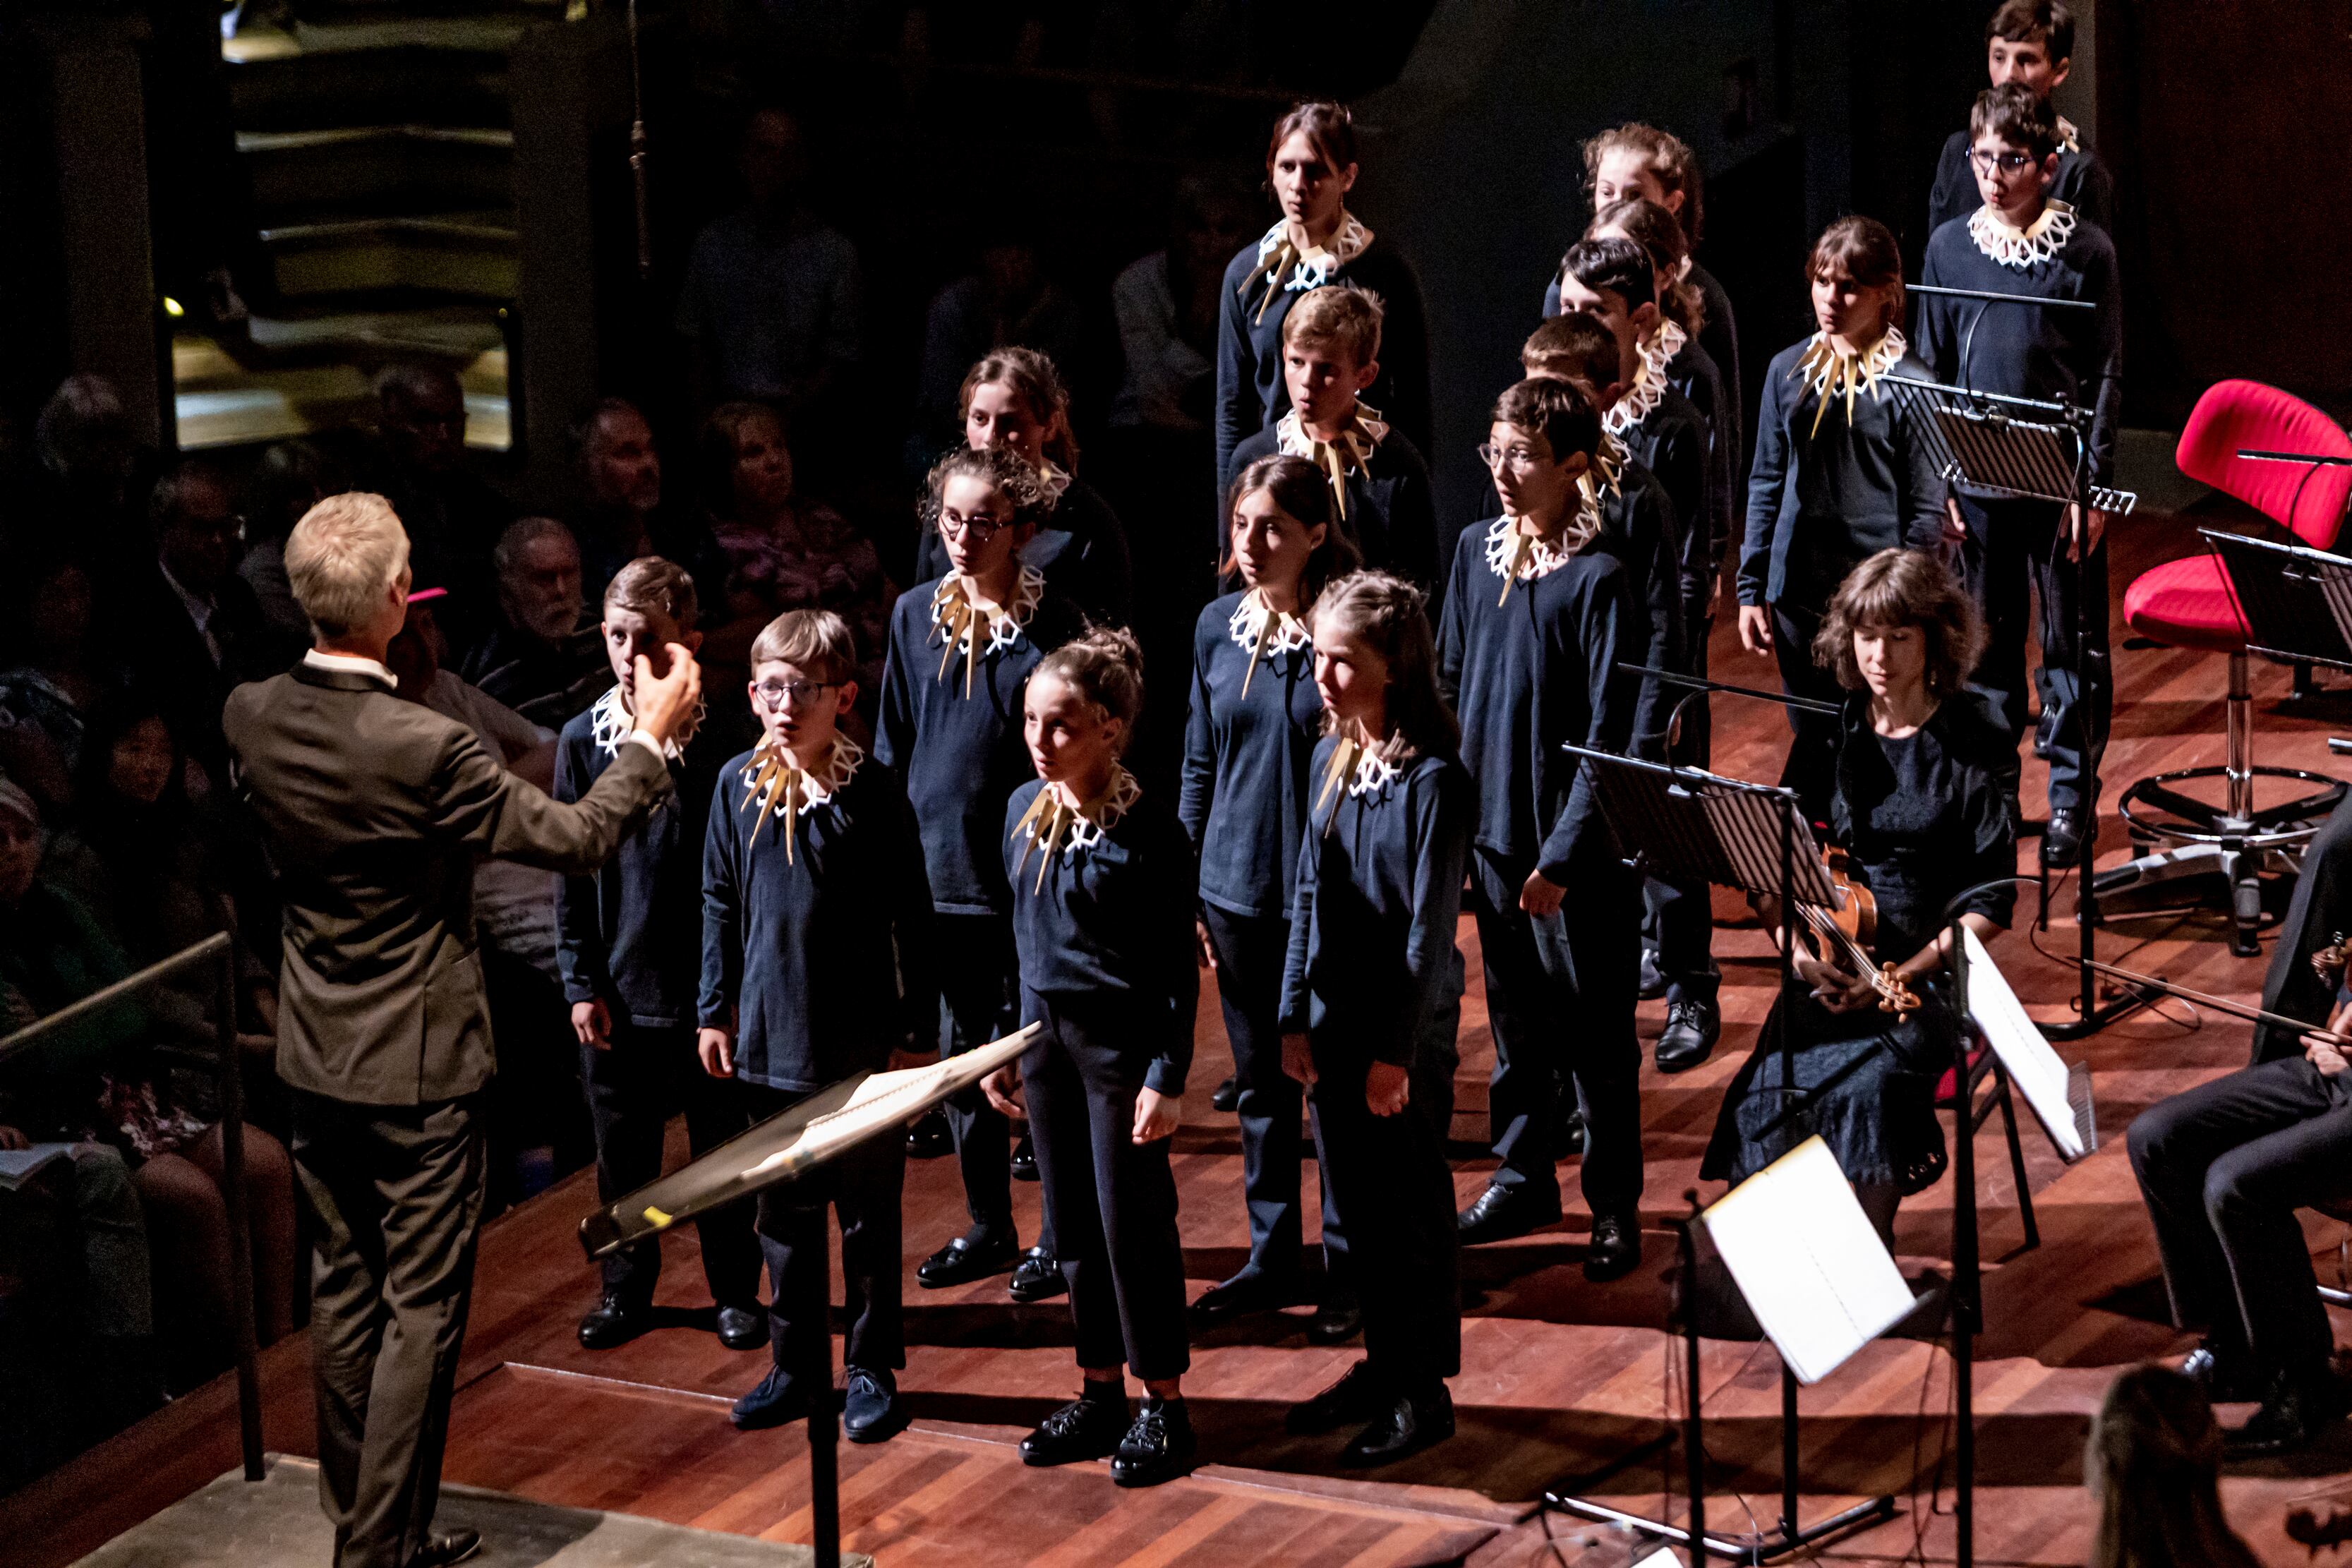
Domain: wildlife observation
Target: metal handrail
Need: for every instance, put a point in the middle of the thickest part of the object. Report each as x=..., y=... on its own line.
x=219, y=950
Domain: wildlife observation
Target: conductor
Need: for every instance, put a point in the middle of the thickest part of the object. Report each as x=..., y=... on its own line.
x=374, y=811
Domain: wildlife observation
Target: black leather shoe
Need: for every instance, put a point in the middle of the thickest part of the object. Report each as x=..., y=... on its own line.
x=1616, y=1248
x=742, y=1328
x=776, y=1400
x=1246, y=1292
x=1226, y=1096
x=1567, y=1130
x=1091, y=1427
x=1694, y=1024
x=441, y=1550
x=1406, y=1424
x=616, y=1320
x=928, y=1138
x=2062, y=841
x=1159, y=1446
x=1503, y=1212
x=1653, y=979
x=2227, y=1376
x=1358, y=1396
x=964, y=1259
x=2293, y=1416
x=1024, y=1160
x=870, y=1411
x=1336, y=1321
x=1038, y=1278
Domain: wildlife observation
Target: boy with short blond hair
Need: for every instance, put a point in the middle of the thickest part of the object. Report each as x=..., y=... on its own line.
x=1380, y=482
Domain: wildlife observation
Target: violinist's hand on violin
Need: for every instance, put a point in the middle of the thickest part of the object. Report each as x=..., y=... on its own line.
x=1837, y=989
x=2325, y=1053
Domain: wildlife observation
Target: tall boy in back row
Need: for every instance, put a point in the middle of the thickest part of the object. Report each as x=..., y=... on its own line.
x=2032, y=44
x=2021, y=242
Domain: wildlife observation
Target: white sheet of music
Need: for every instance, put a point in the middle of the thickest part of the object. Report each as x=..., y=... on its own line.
x=1804, y=1254
x=2032, y=1066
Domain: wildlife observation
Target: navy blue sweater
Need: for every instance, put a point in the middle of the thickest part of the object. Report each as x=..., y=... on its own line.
x=1391, y=510
x=959, y=756
x=1106, y=939
x=1250, y=393
x=2023, y=352
x=627, y=935
x=1675, y=445
x=1823, y=501
x=1246, y=783
x=2083, y=183
x=1081, y=548
x=1526, y=675
x=1639, y=527
x=1380, y=892
x=804, y=957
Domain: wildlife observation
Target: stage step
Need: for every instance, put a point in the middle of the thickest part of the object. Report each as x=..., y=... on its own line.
x=399, y=169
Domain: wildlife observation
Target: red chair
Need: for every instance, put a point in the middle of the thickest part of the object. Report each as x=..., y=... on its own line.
x=2189, y=604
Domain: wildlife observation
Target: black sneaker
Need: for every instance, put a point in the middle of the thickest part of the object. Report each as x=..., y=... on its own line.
x=1227, y=1096
x=1358, y=1396
x=1501, y=1212
x=1158, y=1448
x=616, y=1320
x=928, y=1138
x=1038, y=1277
x=1024, y=1160
x=870, y=1411
x=1694, y=1024
x=1407, y=1424
x=1091, y=1427
x=965, y=1260
x=778, y=1399
x=1616, y=1248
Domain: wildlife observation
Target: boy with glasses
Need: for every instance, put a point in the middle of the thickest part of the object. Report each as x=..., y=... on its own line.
x=2021, y=242
x=628, y=949
x=2031, y=43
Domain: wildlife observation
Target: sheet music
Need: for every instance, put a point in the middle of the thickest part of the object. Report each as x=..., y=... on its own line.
x=884, y=1097
x=2049, y=1088
x=1749, y=828
x=1805, y=1258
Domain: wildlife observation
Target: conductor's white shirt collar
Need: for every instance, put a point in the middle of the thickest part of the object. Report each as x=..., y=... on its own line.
x=351, y=664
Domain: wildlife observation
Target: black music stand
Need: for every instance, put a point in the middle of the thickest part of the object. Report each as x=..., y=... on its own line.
x=1695, y=827
x=2032, y=449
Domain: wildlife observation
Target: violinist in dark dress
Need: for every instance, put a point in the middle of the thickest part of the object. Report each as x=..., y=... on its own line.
x=1919, y=809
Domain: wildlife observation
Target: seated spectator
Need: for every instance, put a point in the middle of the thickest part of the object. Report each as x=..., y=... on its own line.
x=783, y=553
x=543, y=657
x=1009, y=300
x=1166, y=304
x=620, y=516
x=52, y=673
x=190, y=626
x=771, y=305
x=452, y=516
x=100, y=1080
x=288, y=480
x=2153, y=1465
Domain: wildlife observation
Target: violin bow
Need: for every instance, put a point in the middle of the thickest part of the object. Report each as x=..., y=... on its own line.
x=2253, y=1015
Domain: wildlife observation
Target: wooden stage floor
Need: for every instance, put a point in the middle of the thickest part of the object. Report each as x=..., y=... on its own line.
x=1558, y=1376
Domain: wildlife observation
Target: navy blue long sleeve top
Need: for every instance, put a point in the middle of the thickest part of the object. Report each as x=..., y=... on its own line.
x=1373, y=923
x=820, y=963
x=1640, y=528
x=2083, y=183
x=1106, y=934
x=627, y=936
x=1677, y=447
x=1250, y=392
x=2023, y=352
x=1244, y=791
x=959, y=756
x=1537, y=669
x=1081, y=547
x=1391, y=508
x=1822, y=500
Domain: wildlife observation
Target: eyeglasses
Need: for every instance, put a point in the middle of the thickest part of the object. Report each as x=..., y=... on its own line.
x=2010, y=163
x=981, y=529
x=774, y=694
x=1519, y=458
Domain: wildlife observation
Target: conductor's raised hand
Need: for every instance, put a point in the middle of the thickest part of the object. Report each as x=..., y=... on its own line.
x=664, y=704
x=1756, y=629
x=716, y=1049
x=1003, y=1088
x=1156, y=1115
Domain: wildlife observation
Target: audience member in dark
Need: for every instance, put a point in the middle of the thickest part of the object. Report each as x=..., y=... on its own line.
x=1166, y=304
x=1015, y=399
x=192, y=628
x=288, y=480
x=770, y=307
x=452, y=517
x=54, y=673
x=1009, y=301
x=783, y=553
x=96, y=470
x=543, y=657
x=620, y=516
x=100, y=1080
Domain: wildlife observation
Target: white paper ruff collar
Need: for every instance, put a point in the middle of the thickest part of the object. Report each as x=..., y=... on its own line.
x=1277, y=255
x=2069, y=139
x=1832, y=376
x=1052, y=824
x=1641, y=399
x=1353, y=449
x=2010, y=245
x=785, y=790
x=1053, y=479
x=1360, y=769
x=1262, y=633
x=609, y=724
x=1605, y=475
x=1517, y=557
x=960, y=621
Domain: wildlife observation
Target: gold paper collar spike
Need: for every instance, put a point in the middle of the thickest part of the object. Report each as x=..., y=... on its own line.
x=1278, y=255
x=1353, y=449
x=1261, y=631
x=1051, y=824
x=964, y=623
x=1833, y=375
x=782, y=789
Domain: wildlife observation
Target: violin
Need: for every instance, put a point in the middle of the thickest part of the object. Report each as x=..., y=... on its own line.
x=1843, y=932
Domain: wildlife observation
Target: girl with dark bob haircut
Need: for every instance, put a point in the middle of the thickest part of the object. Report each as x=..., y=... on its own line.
x=1897, y=588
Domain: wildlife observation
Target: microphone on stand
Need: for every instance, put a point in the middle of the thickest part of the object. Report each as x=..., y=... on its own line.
x=638, y=153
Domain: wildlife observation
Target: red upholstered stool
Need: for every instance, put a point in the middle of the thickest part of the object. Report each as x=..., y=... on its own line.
x=2189, y=604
